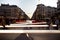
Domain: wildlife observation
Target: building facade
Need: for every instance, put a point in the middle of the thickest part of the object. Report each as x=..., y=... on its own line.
x=12, y=12
x=9, y=11
x=22, y=15
x=43, y=11
x=58, y=9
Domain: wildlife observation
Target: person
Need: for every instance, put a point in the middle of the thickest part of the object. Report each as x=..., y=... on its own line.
x=23, y=36
x=57, y=22
x=3, y=22
x=50, y=24
x=7, y=20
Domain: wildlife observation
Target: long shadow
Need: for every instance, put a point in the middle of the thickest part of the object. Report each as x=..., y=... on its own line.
x=23, y=36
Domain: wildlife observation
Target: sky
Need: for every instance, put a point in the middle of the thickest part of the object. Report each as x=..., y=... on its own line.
x=29, y=6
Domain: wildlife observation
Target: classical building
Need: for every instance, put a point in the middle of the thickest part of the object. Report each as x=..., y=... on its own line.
x=58, y=9
x=9, y=11
x=12, y=12
x=22, y=15
x=43, y=11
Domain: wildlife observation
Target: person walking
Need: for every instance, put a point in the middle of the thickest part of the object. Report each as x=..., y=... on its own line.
x=57, y=23
x=50, y=24
x=3, y=22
